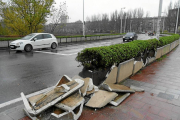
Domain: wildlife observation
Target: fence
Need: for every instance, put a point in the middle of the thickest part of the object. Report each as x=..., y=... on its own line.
x=5, y=44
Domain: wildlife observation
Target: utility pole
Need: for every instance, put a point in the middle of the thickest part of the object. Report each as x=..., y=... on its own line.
x=125, y=25
x=177, y=19
x=83, y=21
x=121, y=19
x=159, y=19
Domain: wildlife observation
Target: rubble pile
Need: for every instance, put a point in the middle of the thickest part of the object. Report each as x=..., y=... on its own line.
x=67, y=98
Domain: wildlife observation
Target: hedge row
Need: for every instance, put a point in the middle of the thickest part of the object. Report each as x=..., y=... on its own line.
x=105, y=56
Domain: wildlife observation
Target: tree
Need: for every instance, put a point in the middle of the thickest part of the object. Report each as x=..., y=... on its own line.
x=58, y=15
x=25, y=16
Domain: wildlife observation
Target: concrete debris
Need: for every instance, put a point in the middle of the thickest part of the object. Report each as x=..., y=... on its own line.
x=71, y=102
x=95, y=89
x=66, y=99
x=51, y=97
x=112, y=76
x=138, y=89
x=116, y=88
x=101, y=98
x=119, y=99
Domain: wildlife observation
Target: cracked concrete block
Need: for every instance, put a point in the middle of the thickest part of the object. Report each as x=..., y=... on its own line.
x=85, y=87
x=101, y=98
x=138, y=89
x=119, y=99
x=73, y=114
x=58, y=115
x=137, y=66
x=95, y=89
x=88, y=84
x=116, y=88
x=111, y=78
x=150, y=60
x=125, y=70
x=51, y=97
x=71, y=102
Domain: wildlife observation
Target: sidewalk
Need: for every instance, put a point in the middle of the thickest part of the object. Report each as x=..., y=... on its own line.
x=160, y=101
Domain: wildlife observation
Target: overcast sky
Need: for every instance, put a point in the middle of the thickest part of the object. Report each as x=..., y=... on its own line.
x=94, y=7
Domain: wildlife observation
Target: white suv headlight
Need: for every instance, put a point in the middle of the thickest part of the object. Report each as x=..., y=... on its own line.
x=131, y=37
x=18, y=44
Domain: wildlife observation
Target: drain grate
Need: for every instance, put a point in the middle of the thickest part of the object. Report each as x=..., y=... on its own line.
x=166, y=96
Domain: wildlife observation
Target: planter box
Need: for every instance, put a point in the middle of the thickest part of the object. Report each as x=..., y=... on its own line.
x=125, y=70
x=150, y=60
x=172, y=45
x=137, y=66
x=159, y=52
x=165, y=49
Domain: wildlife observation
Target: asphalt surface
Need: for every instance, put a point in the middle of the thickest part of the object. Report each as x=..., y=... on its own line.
x=31, y=72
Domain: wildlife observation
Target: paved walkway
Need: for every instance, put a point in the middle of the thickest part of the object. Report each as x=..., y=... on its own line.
x=160, y=101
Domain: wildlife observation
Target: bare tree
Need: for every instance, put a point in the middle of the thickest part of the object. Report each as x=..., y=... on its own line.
x=59, y=15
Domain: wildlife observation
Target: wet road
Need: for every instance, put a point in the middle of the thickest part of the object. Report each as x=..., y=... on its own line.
x=30, y=72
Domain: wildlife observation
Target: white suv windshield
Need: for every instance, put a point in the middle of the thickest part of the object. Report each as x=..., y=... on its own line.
x=27, y=37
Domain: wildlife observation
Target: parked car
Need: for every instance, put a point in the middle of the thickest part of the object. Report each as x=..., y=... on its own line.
x=34, y=41
x=150, y=33
x=130, y=36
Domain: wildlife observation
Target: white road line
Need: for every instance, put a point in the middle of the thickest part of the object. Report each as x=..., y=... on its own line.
x=19, y=99
x=56, y=53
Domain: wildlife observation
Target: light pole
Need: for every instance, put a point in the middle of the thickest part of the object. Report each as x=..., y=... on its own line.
x=163, y=24
x=159, y=19
x=83, y=21
x=130, y=25
x=177, y=19
x=125, y=25
x=121, y=19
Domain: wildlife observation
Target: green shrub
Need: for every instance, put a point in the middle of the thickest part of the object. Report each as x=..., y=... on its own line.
x=105, y=56
x=167, y=39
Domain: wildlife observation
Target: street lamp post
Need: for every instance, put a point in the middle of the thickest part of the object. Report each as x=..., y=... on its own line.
x=83, y=21
x=159, y=19
x=130, y=25
x=125, y=24
x=163, y=23
x=177, y=19
x=121, y=19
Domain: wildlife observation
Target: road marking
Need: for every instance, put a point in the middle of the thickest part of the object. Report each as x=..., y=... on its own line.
x=27, y=96
x=56, y=53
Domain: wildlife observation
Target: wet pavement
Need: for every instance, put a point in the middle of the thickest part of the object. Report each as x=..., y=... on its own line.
x=31, y=72
x=160, y=101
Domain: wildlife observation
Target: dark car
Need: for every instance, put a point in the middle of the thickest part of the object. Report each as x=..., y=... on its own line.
x=130, y=36
x=150, y=33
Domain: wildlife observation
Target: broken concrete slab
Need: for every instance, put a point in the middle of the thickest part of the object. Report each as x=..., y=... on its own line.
x=125, y=69
x=50, y=98
x=71, y=102
x=135, y=88
x=88, y=84
x=58, y=115
x=119, y=99
x=112, y=76
x=116, y=88
x=95, y=89
x=101, y=98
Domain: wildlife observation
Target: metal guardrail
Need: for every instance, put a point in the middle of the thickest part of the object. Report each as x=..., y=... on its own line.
x=5, y=44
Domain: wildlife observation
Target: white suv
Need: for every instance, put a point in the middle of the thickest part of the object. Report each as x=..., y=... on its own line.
x=34, y=41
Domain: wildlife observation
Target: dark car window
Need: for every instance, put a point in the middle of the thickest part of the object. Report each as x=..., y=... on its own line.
x=39, y=37
x=129, y=34
x=47, y=36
